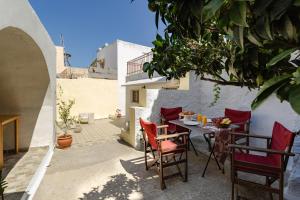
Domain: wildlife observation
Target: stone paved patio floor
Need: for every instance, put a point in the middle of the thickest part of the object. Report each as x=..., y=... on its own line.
x=100, y=166
x=19, y=170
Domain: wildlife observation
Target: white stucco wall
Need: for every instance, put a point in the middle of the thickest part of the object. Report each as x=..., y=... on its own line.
x=60, y=63
x=20, y=16
x=126, y=52
x=109, y=54
x=200, y=95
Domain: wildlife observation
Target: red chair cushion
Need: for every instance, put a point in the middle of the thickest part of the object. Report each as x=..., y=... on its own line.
x=282, y=138
x=271, y=165
x=151, y=131
x=167, y=146
x=237, y=116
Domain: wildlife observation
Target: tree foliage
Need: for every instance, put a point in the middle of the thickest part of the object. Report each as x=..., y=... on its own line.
x=231, y=42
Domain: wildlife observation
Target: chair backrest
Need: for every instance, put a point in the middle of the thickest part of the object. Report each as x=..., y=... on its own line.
x=170, y=113
x=282, y=140
x=237, y=116
x=150, y=129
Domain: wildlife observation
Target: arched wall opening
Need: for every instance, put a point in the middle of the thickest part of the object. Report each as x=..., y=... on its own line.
x=24, y=81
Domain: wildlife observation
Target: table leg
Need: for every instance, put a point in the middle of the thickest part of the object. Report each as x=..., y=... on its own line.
x=208, y=140
x=17, y=136
x=1, y=147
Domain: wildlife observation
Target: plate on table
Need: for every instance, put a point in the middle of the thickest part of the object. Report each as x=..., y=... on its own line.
x=191, y=123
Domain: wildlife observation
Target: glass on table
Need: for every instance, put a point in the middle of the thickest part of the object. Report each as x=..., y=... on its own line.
x=204, y=120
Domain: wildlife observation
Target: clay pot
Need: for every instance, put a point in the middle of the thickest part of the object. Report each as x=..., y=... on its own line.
x=64, y=141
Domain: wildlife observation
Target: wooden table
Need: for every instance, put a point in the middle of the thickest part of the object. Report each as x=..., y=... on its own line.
x=4, y=120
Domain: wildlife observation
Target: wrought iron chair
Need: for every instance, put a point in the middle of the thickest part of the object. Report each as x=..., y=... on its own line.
x=272, y=166
x=163, y=148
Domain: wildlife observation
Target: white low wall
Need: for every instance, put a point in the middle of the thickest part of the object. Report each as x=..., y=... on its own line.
x=200, y=95
x=98, y=96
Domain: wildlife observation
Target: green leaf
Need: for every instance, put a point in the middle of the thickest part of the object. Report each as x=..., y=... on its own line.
x=283, y=92
x=294, y=98
x=278, y=8
x=261, y=6
x=238, y=13
x=268, y=88
x=280, y=57
x=157, y=18
x=210, y=9
x=296, y=76
x=252, y=38
x=296, y=3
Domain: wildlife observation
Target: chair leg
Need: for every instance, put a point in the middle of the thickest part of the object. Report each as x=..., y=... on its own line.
x=186, y=167
x=178, y=168
x=161, y=173
x=269, y=185
x=146, y=164
x=281, y=186
x=232, y=190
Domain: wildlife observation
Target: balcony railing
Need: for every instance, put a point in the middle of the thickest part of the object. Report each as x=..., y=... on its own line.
x=135, y=66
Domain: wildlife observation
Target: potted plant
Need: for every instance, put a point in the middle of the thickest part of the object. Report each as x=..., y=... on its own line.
x=77, y=128
x=64, y=109
x=3, y=185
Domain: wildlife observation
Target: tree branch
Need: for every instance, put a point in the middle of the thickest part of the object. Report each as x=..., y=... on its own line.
x=231, y=83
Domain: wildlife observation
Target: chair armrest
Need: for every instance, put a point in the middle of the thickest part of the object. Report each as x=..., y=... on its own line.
x=175, y=135
x=252, y=135
x=240, y=123
x=162, y=126
x=271, y=151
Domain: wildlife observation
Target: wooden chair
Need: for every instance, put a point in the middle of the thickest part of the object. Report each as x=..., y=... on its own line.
x=272, y=166
x=242, y=119
x=167, y=114
x=165, y=152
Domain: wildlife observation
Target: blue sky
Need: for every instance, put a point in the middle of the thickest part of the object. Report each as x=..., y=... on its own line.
x=89, y=24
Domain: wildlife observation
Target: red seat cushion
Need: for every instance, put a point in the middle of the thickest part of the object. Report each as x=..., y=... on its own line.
x=167, y=146
x=271, y=165
x=237, y=116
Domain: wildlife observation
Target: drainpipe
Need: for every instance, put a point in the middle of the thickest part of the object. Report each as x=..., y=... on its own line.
x=292, y=190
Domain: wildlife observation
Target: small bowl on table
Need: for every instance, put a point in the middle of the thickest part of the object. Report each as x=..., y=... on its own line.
x=188, y=115
x=217, y=122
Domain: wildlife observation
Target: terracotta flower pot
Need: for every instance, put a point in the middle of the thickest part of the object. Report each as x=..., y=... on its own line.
x=64, y=141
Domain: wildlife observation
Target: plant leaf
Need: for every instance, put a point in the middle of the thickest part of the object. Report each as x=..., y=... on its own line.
x=268, y=88
x=278, y=8
x=283, y=92
x=261, y=6
x=253, y=39
x=210, y=9
x=294, y=98
x=237, y=13
x=296, y=3
x=280, y=57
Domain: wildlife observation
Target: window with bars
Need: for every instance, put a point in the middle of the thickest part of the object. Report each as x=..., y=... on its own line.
x=135, y=96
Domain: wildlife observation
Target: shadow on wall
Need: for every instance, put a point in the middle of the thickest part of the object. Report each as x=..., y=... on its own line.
x=24, y=81
x=200, y=95
x=198, y=99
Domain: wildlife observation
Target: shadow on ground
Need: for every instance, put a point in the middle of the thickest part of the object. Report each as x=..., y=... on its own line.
x=119, y=188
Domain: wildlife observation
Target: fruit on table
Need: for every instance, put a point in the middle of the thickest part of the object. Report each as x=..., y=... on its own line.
x=226, y=121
